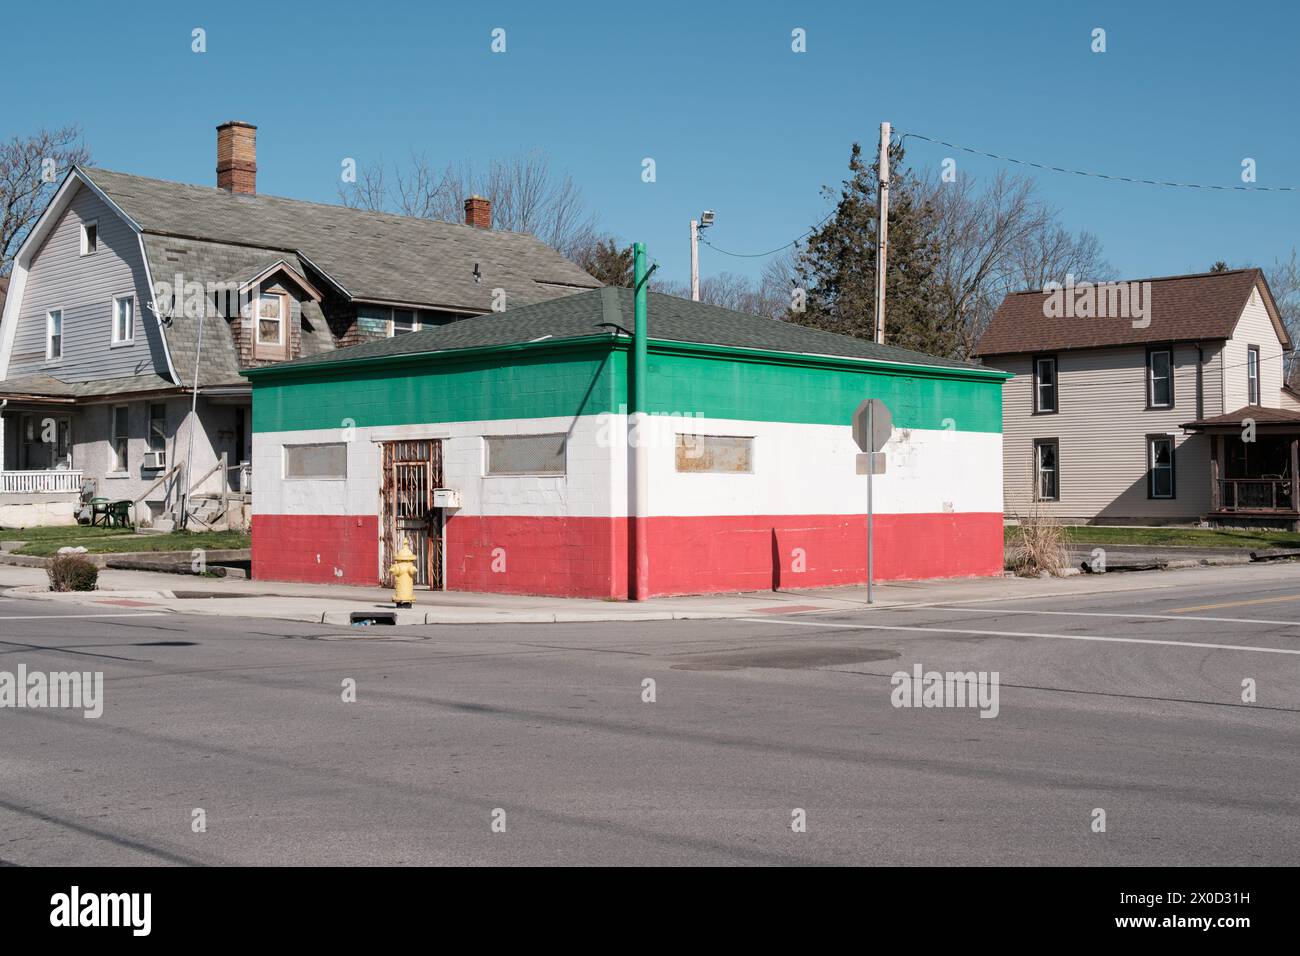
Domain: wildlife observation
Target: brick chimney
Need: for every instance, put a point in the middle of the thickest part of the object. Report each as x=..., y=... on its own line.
x=478, y=212
x=237, y=157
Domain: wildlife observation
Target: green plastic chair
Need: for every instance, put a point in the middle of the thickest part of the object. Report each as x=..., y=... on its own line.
x=119, y=514
x=99, y=511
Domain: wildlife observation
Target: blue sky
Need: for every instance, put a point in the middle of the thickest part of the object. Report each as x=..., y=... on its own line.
x=735, y=121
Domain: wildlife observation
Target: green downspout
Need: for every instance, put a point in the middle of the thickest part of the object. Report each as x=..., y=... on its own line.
x=641, y=469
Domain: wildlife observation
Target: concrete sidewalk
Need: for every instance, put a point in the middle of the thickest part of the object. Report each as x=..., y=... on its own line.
x=335, y=604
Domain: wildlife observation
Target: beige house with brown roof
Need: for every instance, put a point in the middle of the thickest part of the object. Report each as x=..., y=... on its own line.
x=1162, y=402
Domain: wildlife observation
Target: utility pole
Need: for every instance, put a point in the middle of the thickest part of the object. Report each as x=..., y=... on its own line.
x=705, y=220
x=194, y=422
x=882, y=233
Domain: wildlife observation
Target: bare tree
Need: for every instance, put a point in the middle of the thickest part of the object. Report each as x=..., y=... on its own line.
x=31, y=168
x=1284, y=283
x=527, y=196
x=998, y=237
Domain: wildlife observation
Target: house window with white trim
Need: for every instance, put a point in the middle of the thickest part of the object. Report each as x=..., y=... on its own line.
x=53, y=335
x=1160, y=378
x=119, y=437
x=270, y=319
x=158, y=427
x=404, y=320
x=89, y=238
x=1047, y=468
x=123, y=320
x=1252, y=375
x=1160, y=466
x=1045, y=385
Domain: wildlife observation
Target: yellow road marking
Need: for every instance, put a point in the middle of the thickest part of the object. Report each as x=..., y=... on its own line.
x=1215, y=607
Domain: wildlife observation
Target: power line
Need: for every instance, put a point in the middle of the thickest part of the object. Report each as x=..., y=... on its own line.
x=1095, y=175
x=1021, y=162
x=760, y=255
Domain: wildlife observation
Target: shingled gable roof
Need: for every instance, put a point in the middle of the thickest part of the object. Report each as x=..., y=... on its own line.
x=609, y=311
x=370, y=256
x=1200, y=307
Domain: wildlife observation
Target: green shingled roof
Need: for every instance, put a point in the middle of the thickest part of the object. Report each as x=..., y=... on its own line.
x=609, y=311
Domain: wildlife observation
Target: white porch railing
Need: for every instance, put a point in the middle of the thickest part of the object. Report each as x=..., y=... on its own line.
x=39, y=482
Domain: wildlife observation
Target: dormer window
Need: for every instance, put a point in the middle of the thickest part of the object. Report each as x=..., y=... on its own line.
x=271, y=328
x=404, y=320
x=89, y=237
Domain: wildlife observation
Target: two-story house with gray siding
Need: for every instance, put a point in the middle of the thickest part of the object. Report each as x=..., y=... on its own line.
x=130, y=292
x=1173, y=412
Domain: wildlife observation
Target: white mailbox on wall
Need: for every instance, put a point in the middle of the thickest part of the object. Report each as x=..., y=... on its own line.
x=446, y=498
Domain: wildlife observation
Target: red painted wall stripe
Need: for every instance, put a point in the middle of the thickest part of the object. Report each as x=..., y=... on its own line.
x=320, y=549
x=751, y=552
x=568, y=557
x=590, y=557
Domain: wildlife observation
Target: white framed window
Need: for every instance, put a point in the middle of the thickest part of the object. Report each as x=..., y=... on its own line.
x=1045, y=385
x=123, y=320
x=90, y=237
x=1160, y=375
x=1048, y=468
x=53, y=335
x=1160, y=464
x=119, y=437
x=1252, y=375
x=322, y=460
x=715, y=454
x=158, y=427
x=270, y=319
x=404, y=320
x=526, y=455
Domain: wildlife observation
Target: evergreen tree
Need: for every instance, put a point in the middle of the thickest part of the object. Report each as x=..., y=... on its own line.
x=838, y=263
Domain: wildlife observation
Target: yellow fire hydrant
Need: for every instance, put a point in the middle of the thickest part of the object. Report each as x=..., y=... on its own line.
x=403, y=572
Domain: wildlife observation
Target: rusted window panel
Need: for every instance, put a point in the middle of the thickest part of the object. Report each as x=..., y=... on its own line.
x=719, y=454
x=316, y=461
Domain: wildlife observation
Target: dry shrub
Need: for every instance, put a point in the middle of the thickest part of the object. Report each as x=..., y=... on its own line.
x=72, y=572
x=1037, y=546
x=1037, y=543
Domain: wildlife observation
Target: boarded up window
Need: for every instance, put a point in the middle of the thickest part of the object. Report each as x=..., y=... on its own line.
x=316, y=461
x=525, y=455
x=720, y=454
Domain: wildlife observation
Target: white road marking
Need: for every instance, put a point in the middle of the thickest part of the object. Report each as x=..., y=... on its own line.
x=66, y=617
x=1154, y=617
x=1058, y=637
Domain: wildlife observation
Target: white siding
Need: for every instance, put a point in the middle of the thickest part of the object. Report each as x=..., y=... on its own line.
x=83, y=287
x=1102, y=427
x=1253, y=328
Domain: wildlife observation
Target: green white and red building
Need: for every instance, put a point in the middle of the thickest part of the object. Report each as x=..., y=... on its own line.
x=500, y=444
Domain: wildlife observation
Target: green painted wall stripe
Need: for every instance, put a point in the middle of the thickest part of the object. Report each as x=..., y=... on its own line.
x=592, y=379
x=776, y=392
x=526, y=387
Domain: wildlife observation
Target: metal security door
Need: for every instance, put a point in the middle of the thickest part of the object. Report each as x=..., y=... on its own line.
x=411, y=471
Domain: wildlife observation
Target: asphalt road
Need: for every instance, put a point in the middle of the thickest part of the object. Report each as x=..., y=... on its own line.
x=1130, y=703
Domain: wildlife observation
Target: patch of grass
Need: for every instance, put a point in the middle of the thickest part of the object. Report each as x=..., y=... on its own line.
x=79, y=532
x=119, y=543
x=1174, y=537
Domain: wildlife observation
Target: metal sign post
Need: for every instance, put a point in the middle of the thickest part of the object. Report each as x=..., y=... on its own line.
x=871, y=511
x=872, y=425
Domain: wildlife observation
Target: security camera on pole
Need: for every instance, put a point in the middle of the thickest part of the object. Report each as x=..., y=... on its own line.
x=705, y=220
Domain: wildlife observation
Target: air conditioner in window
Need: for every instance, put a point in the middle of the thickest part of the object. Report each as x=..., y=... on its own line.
x=155, y=459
